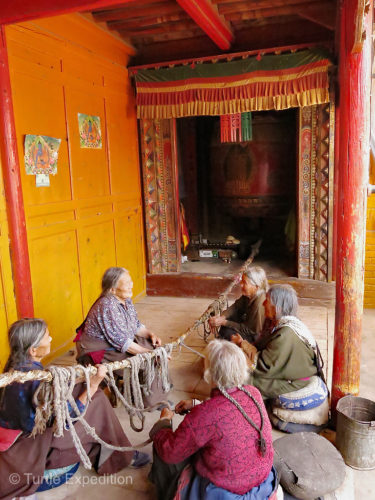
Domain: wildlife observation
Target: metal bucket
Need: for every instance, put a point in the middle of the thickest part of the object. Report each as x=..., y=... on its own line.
x=355, y=432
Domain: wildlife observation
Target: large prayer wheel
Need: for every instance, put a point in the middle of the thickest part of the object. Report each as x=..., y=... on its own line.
x=255, y=178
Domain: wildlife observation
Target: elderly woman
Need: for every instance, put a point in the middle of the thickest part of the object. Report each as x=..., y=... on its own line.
x=26, y=458
x=287, y=358
x=223, y=447
x=246, y=314
x=112, y=330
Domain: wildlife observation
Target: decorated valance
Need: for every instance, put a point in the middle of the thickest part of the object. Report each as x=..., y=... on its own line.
x=222, y=88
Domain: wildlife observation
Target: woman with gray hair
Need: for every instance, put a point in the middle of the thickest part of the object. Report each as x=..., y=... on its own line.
x=112, y=330
x=24, y=456
x=287, y=358
x=246, y=314
x=112, y=326
x=223, y=447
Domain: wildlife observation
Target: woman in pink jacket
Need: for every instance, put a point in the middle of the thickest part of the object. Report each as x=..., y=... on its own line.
x=223, y=447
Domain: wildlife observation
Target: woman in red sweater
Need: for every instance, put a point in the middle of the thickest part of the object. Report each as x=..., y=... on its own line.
x=223, y=447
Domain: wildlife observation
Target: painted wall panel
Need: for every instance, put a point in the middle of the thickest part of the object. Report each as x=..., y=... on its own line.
x=42, y=112
x=129, y=242
x=55, y=278
x=8, y=312
x=89, y=166
x=96, y=253
x=90, y=217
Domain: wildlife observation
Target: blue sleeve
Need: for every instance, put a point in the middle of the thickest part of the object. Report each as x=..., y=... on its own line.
x=80, y=406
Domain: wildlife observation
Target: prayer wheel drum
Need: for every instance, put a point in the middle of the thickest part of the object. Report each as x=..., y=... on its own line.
x=355, y=436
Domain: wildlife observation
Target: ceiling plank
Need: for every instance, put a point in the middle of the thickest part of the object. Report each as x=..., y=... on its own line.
x=323, y=14
x=140, y=10
x=151, y=21
x=155, y=30
x=263, y=4
x=207, y=17
x=270, y=12
x=16, y=11
x=168, y=37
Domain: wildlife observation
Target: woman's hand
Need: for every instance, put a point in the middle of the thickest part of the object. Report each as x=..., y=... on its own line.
x=156, y=341
x=166, y=413
x=94, y=383
x=184, y=406
x=217, y=320
x=237, y=339
x=97, y=378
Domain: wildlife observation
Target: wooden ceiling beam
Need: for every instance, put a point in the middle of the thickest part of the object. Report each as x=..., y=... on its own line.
x=154, y=30
x=237, y=7
x=140, y=10
x=16, y=11
x=258, y=37
x=322, y=14
x=207, y=17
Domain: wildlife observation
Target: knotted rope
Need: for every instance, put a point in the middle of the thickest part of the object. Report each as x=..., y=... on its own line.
x=54, y=396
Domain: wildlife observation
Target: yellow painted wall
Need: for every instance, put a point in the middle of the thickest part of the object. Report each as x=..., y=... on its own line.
x=90, y=217
x=369, y=298
x=8, y=312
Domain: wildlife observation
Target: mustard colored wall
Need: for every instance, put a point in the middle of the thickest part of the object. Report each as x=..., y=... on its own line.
x=8, y=311
x=369, y=298
x=90, y=217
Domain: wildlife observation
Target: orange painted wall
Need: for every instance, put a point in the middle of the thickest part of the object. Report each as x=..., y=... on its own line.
x=90, y=217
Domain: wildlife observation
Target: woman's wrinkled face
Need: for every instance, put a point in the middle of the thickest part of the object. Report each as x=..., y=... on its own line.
x=43, y=348
x=247, y=287
x=269, y=309
x=124, y=287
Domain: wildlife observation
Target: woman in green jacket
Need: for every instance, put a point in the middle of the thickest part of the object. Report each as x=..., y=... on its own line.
x=287, y=358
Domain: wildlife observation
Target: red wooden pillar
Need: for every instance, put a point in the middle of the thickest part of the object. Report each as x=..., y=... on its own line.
x=353, y=150
x=13, y=192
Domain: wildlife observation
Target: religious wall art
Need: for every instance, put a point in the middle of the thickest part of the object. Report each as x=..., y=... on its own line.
x=90, y=134
x=41, y=154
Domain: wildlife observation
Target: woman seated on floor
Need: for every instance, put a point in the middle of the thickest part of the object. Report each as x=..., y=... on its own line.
x=287, y=357
x=246, y=315
x=112, y=330
x=26, y=458
x=223, y=447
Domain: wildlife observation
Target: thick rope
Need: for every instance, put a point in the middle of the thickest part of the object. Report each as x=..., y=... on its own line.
x=216, y=307
x=54, y=396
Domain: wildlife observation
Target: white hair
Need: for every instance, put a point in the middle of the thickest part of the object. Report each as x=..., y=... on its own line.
x=227, y=365
x=284, y=298
x=257, y=276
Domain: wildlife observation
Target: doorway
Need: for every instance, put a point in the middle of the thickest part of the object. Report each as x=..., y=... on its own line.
x=234, y=194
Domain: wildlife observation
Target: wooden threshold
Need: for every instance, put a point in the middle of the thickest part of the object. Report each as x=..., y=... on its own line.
x=310, y=292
